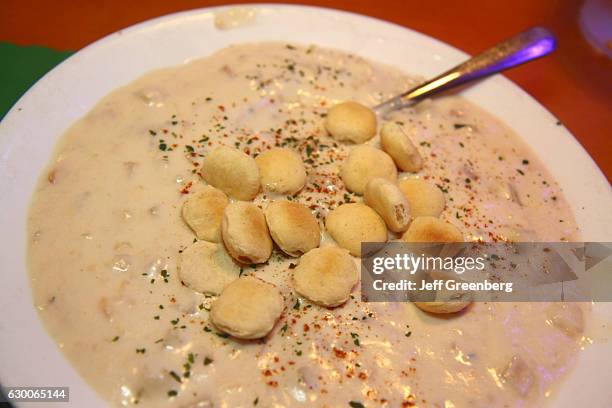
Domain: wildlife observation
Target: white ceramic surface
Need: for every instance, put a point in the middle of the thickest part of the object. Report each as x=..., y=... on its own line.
x=29, y=132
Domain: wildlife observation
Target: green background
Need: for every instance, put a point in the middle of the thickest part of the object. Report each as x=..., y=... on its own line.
x=21, y=67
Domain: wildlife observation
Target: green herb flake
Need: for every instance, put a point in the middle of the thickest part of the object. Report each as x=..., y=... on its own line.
x=356, y=404
x=172, y=393
x=207, y=361
x=308, y=150
x=175, y=376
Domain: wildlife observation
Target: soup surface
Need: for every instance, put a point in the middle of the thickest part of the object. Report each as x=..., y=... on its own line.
x=106, y=232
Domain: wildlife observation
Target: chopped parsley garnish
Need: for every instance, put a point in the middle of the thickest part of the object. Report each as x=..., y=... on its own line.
x=308, y=150
x=172, y=393
x=207, y=361
x=175, y=376
x=355, y=337
x=356, y=404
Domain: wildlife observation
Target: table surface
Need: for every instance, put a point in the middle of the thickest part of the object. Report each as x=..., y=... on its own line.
x=575, y=83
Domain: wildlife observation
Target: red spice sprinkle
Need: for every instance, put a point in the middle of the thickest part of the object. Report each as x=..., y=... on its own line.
x=409, y=402
x=221, y=108
x=339, y=353
x=306, y=327
x=272, y=383
x=185, y=190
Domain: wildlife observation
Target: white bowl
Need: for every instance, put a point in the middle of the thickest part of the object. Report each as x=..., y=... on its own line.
x=28, y=356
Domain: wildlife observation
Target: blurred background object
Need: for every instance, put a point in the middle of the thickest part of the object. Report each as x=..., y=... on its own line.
x=574, y=83
x=596, y=24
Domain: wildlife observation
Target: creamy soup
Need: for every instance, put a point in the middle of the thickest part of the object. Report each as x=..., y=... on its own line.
x=106, y=232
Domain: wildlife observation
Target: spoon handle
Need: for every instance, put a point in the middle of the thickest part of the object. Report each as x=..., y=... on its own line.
x=530, y=44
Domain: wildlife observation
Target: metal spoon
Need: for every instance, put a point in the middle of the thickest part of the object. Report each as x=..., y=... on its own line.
x=528, y=45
